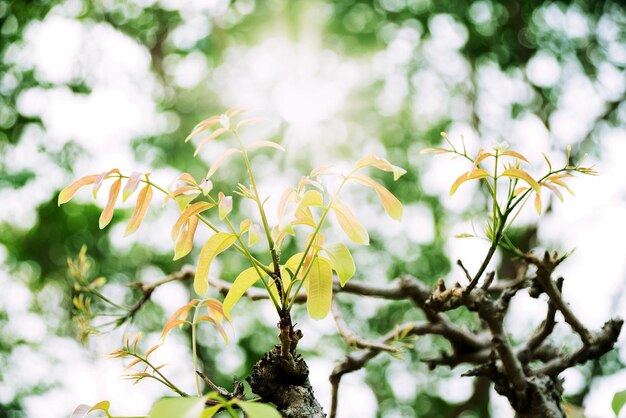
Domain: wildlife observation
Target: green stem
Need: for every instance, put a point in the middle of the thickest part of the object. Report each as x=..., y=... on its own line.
x=195, y=349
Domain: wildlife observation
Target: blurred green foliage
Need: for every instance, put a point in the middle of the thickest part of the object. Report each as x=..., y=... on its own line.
x=506, y=32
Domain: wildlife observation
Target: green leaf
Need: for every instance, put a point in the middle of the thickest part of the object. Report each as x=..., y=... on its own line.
x=242, y=283
x=319, y=287
x=619, y=400
x=341, y=261
x=215, y=244
x=258, y=410
x=190, y=407
x=209, y=412
x=83, y=410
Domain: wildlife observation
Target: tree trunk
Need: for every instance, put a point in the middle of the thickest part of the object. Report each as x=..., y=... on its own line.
x=282, y=376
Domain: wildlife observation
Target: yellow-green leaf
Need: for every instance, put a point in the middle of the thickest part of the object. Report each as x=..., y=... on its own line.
x=341, y=261
x=191, y=210
x=380, y=163
x=141, y=207
x=477, y=173
x=188, y=407
x=392, y=205
x=521, y=174
x=319, y=287
x=434, y=151
x=215, y=244
x=131, y=185
x=216, y=164
x=240, y=286
x=69, y=192
x=311, y=198
x=184, y=244
x=258, y=410
x=107, y=213
x=349, y=224
x=101, y=406
x=254, y=234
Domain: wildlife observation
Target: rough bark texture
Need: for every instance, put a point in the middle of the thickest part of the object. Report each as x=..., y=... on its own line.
x=286, y=385
x=282, y=376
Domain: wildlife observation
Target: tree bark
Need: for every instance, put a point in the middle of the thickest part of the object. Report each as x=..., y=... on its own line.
x=282, y=376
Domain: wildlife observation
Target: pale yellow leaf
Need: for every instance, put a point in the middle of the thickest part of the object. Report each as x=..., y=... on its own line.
x=521, y=174
x=131, y=185
x=349, y=224
x=392, y=205
x=192, y=210
x=209, y=138
x=477, y=173
x=380, y=163
x=216, y=164
x=514, y=154
x=69, y=192
x=184, y=243
x=265, y=144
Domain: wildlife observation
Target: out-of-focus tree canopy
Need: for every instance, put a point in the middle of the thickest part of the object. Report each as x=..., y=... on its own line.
x=86, y=85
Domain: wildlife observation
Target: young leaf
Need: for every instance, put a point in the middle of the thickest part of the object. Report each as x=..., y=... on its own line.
x=349, y=224
x=209, y=138
x=254, y=234
x=554, y=190
x=81, y=411
x=107, y=213
x=210, y=411
x=216, y=164
x=69, y=192
x=258, y=410
x=265, y=144
x=191, y=210
x=131, y=185
x=381, y=164
x=619, y=400
x=141, y=207
x=434, y=151
x=225, y=205
x=392, y=205
x=101, y=406
x=188, y=407
x=248, y=121
x=101, y=178
x=240, y=286
x=538, y=202
x=184, y=244
x=319, y=287
x=477, y=173
x=215, y=244
x=341, y=261
x=202, y=126
x=311, y=198
x=515, y=155
x=521, y=174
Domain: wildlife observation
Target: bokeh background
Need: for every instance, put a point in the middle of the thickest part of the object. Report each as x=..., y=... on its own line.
x=88, y=85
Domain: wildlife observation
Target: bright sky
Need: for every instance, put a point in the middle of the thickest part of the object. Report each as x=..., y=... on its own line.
x=312, y=88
